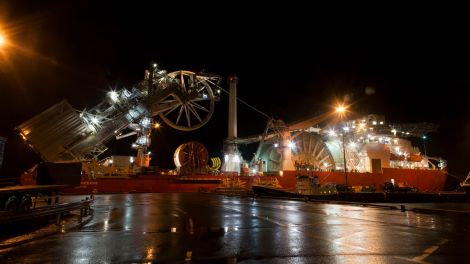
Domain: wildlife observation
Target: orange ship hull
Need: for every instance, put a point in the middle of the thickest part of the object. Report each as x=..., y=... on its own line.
x=423, y=180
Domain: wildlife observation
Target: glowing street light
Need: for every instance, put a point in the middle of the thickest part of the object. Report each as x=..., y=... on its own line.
x=424, y=144
x=3, y=37
x=2, y=40
x=340, y=109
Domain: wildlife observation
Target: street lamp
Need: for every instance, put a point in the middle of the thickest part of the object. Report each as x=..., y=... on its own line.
x=340, y=110
x=3, y=39
x=345, y=129
x=424, y=144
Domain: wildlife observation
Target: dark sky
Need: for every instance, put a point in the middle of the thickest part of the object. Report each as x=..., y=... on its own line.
x=78, y=50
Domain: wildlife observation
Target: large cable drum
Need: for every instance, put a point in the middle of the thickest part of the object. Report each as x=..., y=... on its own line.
x=311, y=152
x=191, y=157
x=190, y=104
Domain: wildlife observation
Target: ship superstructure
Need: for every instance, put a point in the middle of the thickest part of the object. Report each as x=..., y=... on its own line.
x=363, y=145
x=369, y=144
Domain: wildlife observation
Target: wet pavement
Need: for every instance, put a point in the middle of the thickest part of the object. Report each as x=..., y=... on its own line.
x=204, y=228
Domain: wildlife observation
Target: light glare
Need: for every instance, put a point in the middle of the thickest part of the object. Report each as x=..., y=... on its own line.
x=340, y=109
x=291, y=145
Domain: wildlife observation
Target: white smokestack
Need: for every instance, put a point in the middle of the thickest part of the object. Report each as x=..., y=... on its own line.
x=232, y=158
x=232, y=109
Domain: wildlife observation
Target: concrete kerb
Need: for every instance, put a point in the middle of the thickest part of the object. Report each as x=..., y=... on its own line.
x=440, y=211
x=71, y=224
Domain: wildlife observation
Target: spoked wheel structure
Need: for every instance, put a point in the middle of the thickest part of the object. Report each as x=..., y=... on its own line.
x=192, y=105
x=311, y=152
x=191, y=157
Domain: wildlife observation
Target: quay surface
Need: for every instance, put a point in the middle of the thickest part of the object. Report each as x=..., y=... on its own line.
x=204, y=228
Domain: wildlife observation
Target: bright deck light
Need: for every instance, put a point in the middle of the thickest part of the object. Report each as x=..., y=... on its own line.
x=114, y=96
x=332, y=133
x=291, y=145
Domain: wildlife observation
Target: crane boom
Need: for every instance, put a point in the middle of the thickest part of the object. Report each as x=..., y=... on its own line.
x=62, y=133
x=304, y=124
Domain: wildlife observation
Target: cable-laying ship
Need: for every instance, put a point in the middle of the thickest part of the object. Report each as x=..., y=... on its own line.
x=362, y=153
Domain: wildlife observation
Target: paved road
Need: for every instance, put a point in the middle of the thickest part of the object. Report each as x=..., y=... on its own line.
x=203, y=228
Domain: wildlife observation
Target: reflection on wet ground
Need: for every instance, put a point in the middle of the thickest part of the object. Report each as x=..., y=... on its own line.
x=203, y=228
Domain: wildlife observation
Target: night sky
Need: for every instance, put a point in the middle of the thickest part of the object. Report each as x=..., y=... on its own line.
x=78, y=50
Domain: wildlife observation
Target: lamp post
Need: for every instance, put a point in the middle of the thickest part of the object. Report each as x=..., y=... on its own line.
x=344, y=158
x=341, y=109
x=424, y=144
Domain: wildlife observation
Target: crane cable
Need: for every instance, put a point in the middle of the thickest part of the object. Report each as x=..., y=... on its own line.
x=241, y=101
